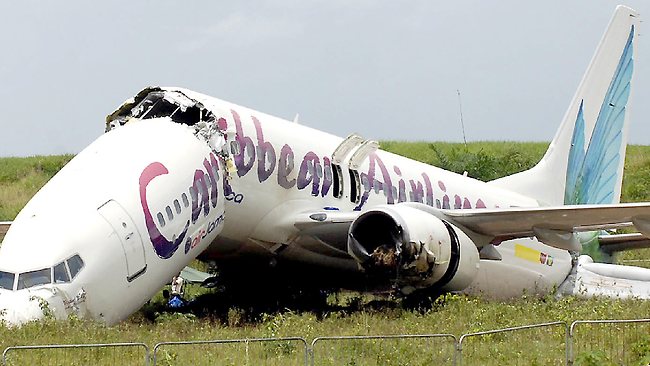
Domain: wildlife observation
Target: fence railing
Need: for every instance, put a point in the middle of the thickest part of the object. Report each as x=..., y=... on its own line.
x=615, y=342
x=109, y=354
x=539, y=344
x=420, y=349
x=249, y=351
x=622, y=342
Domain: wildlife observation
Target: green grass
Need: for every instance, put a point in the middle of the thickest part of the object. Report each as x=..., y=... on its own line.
x=453, y=314
x=21, y=178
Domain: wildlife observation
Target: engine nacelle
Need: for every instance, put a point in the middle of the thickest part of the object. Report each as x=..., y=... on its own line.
x=413, y=248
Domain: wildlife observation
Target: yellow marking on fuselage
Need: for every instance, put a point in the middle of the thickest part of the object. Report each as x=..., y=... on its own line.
x=527, y=253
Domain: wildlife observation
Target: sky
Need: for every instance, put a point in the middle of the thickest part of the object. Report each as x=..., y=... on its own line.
x=388, y=70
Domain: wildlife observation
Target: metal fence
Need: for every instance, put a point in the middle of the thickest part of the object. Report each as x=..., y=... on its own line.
x=252, y=351
x=419, y=349
x=621, y=342
x=109, y=354
x=611, y=342
x=537, y=344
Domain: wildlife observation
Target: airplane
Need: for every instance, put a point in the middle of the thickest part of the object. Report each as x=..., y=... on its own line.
x=278, y=206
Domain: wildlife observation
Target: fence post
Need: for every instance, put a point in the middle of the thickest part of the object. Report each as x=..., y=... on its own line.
x=311, y=350
x=569, y=345
x=458, y=355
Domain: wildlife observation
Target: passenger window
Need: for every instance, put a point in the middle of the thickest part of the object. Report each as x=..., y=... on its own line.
x=34, y=278
x=7, y=280
x=186, y=202
x=61, y=274
x=161, y=219
x=75, y=264
x=170, y=215
x=177, y=206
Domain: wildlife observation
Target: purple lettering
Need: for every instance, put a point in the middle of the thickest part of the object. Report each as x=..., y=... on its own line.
x=163, y=247
x=457, y=202
x=246, y=147
x=212, y=168
x=265, y=153
x=417, y=193
x=466, y=203
x=285, y=167
x=327, y=176
x=310, y=171
x=427, y=184
x=199, y=188
x=401, y=197
x=386, y=185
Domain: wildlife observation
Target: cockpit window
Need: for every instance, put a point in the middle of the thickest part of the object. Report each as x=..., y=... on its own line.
x=7, y=280
x=34, y=278
x=61, y=273
x=75, y=264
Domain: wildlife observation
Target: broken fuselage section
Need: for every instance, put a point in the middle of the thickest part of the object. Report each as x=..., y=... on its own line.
x=122, y=218
x=155, y=102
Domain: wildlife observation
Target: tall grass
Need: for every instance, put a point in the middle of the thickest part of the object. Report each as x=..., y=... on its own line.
x=453, y=314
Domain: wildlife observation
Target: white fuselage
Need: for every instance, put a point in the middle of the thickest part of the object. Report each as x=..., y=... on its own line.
x=147, y=198
x=287, y=167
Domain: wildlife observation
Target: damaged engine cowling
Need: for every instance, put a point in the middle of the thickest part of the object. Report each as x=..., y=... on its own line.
x=412, y=249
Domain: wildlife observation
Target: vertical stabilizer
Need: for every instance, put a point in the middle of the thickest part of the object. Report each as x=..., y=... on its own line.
x=584, y=162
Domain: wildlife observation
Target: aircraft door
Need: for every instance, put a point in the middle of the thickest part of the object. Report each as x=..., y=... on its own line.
x=129, y=236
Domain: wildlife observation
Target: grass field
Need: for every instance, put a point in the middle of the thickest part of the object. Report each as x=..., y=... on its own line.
x=20, y=178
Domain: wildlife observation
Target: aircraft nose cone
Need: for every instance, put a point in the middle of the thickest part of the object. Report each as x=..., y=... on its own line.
x=18, y=307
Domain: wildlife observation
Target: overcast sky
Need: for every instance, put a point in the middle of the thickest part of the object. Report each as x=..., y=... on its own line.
x=388, y=70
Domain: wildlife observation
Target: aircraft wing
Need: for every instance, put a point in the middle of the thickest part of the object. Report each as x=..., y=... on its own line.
x=551, y=225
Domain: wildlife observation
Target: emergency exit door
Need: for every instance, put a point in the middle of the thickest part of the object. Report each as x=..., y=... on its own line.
x=129, y=236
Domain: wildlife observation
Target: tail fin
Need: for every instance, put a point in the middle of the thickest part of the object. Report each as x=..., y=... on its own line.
x=584, y=162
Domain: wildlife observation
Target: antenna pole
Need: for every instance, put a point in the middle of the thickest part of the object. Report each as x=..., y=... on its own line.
x=460, y=108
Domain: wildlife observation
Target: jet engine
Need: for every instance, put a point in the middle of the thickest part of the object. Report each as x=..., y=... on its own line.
x=412, y=249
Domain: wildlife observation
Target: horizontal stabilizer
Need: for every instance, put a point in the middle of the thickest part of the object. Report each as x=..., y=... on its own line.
x=622, y=242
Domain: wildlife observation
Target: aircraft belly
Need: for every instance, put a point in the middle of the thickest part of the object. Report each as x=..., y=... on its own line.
x=527, y=266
